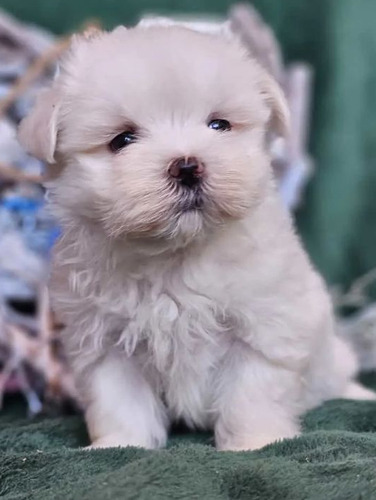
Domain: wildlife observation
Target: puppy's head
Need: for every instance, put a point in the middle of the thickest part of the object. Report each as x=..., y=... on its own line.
x=156, y=132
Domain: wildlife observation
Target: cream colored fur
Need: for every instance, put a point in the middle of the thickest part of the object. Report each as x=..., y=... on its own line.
x=212, y=316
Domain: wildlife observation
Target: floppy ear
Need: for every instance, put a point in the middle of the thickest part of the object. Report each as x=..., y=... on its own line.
x=38, y=131
x=279, y=121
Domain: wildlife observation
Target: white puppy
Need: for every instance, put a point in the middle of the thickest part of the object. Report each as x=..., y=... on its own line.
x=185, y=291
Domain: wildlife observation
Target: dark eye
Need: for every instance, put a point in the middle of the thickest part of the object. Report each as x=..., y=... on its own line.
x=222, y=125
x=122, y=140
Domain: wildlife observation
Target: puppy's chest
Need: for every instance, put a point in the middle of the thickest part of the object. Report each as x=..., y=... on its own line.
x=179, y=339
x=171, y=327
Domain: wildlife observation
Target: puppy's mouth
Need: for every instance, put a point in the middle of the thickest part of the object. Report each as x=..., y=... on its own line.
x=191, y=200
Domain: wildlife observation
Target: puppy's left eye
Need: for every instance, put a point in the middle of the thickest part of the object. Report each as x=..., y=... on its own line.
x=221, y=125
x=122, y=140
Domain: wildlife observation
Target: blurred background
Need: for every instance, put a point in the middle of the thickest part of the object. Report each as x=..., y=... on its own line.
x=322, y=53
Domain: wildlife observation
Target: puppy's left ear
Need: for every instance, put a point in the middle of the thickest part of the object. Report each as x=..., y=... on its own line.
x=38, y=131
x=279, y=120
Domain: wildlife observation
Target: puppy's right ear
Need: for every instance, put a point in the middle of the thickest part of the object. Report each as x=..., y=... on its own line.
x=38, y=131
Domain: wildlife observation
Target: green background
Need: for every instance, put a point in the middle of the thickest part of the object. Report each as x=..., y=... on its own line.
x=338, y=37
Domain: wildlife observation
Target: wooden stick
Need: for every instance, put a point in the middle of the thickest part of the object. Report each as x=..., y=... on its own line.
x=9, y=173
x=33, y=42
x=36, y=69
x=299, y=78
x=41, y=63
x=258, y=37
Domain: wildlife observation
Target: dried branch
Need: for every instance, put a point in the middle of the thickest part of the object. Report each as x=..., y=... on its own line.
x=41, y=64
x=258, y=38
x=13, y=174
x=35, y=70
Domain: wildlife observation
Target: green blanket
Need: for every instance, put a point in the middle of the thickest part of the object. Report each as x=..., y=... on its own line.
x=335, y=458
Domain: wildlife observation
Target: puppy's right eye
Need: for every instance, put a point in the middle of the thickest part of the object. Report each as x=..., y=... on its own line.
x=122, y=140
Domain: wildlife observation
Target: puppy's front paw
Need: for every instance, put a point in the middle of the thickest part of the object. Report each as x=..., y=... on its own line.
x=105, y=443
x=114, y=441
x=254, y=441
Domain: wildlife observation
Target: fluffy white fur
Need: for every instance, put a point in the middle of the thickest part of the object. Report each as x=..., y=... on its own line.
x=213, y=316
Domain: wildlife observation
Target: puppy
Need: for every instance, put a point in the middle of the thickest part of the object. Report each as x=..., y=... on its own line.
x=184, y=289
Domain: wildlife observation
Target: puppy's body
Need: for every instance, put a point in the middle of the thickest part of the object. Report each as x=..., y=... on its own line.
x=181, y=301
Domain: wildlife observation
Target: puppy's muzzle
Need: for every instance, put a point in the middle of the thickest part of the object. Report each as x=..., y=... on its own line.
x=187, y=171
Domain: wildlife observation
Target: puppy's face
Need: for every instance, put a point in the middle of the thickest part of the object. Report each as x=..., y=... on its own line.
x=156, y=133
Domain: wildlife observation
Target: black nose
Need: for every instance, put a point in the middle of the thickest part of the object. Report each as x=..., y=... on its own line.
x=186, y=170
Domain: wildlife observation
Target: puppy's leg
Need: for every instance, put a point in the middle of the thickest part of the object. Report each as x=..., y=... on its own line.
x=357, y=391
x=122, y=409
x=257, y=402
x=345, y=362
x=332, y=374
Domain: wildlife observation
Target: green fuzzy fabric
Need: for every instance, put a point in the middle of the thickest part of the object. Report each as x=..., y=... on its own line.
x=335, y=458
